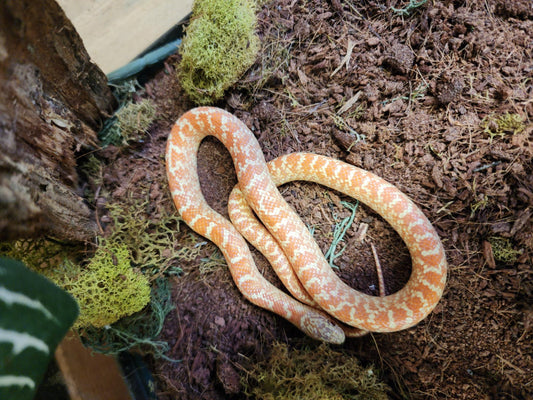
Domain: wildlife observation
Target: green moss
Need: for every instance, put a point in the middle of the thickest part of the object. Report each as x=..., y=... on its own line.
x=151, y=240
x=500, y=125
x=129, y=124
x=134, y=119
x=214, y=262
x=38, y=254
x=219, y=46
x=503, y=250
x=313, y=374
x=107, y=289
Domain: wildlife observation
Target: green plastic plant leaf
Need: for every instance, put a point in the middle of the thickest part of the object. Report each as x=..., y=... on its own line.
x=35, y=314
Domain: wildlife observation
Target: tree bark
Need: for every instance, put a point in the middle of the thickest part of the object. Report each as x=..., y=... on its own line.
x=52, y=103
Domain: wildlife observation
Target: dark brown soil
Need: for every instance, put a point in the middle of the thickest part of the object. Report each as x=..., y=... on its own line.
x=422, y=83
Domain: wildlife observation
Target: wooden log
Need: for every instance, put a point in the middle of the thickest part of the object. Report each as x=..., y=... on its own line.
x=52, y=103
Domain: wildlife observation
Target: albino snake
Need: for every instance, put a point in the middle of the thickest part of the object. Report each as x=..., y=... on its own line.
x=316, y=282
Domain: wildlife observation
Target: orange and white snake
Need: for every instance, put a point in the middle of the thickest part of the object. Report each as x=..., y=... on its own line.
x=309, y=277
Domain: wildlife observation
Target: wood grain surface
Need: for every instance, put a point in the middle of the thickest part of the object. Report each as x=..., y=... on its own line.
x=116, y=31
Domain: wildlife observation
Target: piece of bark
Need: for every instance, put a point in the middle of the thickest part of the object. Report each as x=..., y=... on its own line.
x=52, y=102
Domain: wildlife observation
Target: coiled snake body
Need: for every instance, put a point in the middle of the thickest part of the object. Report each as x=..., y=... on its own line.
x=327, y=298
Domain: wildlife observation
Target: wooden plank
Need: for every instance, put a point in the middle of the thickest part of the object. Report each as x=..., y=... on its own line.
x=88, y=375
x=116, y=31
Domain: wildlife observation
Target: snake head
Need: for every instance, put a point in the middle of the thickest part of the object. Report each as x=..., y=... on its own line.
x=321, y=327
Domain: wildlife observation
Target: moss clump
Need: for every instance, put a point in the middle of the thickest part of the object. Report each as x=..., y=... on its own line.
x=503, y=251
x=134, y=119
x=38, y=254
x=150, y=240
x=220, y=45
x=107, y=289
x=313, y=374
x=129, y=124
x=500, y=125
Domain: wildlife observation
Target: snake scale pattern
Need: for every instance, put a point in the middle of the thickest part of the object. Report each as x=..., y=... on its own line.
x=324, y=307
